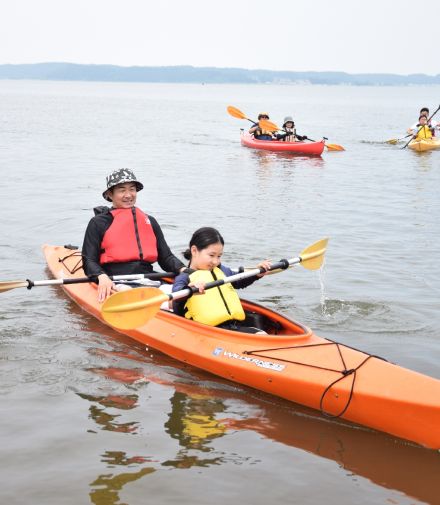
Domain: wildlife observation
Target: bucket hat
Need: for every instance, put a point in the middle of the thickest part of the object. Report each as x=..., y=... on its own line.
x=120, y=176
x=287, y=119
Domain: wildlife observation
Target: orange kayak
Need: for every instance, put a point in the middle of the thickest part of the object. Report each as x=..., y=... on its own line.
x=310, y=148
x=290, y=362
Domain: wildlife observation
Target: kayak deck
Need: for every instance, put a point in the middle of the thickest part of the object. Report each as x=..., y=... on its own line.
x=290, y=362
x=310, y=148
x=424, y=145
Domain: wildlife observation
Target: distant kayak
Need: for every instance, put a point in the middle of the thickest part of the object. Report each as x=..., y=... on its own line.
x=424, y=144
x=311, y=148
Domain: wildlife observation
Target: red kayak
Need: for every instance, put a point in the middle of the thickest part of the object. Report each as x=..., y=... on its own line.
x=310, y=148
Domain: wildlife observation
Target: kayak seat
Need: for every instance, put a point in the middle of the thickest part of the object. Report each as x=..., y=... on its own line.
x=257, y=320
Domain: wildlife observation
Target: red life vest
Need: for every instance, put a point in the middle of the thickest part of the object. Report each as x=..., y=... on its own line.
x=130, y=237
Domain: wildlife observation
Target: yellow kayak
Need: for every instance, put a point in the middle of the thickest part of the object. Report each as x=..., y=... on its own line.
x=424, y=144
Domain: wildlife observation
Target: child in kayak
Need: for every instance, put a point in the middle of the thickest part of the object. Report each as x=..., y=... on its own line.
x=219, y=306
x=424, y=130
x=289, y=132
x=424, y=111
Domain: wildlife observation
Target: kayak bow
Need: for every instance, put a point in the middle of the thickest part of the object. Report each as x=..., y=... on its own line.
x=424, y=145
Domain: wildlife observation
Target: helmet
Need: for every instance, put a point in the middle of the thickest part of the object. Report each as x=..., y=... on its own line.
x=120, y=176
x=261, y=114
x=288, y=119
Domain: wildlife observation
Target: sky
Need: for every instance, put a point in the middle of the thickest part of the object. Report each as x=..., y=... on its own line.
x=376, y=36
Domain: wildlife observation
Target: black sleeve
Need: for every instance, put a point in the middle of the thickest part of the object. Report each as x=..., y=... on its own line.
x=180, y=282
x=166, y=259
x=241, y=284
x=91, y=249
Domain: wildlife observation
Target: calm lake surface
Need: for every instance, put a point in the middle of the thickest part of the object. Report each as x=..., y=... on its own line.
x=89, y=416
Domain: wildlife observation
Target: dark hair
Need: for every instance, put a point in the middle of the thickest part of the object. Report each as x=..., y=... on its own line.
x=424, y=109
x=203, y=238
x=423, y=115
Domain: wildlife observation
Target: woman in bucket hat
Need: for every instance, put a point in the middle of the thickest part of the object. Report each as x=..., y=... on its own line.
x=122, y=239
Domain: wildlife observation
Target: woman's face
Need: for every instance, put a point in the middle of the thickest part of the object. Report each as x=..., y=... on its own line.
x=123, y=195
x=208, y=258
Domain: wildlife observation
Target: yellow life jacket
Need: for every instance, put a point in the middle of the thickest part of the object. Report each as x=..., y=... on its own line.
x=218, y=304
x=424, y=132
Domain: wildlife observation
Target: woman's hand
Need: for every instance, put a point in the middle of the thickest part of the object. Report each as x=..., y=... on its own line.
x=105, y=287
x=264, y=264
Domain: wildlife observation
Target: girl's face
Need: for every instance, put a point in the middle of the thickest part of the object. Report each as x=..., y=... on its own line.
x=208, y=258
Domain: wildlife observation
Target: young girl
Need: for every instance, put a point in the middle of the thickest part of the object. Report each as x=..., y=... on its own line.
x=219, y=306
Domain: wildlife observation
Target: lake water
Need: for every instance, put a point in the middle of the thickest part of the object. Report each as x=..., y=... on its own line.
x=89, y=416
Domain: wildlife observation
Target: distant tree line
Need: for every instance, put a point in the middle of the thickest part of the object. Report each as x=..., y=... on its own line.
x=208, y=75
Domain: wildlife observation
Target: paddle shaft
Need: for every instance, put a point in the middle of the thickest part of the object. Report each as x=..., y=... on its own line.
x=279, y=265
x=429, y=119
x=394, y=141
x=269, y=125
x=81, y=280
x=237, y=113
x=132, y=308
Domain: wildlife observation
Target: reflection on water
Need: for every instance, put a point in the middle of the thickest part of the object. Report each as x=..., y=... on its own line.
x=200, y=414
x=192, y=421
x=267, y=159
x=106, y=488
x=106, y=420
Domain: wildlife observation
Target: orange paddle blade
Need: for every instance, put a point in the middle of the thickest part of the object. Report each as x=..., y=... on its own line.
x=132, y=308
x=268, y=125
x=334, y=147
x=234, y=112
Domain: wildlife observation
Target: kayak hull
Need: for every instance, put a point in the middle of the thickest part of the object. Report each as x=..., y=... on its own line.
x=424, y=145
x=290, y=362
x=309, y=148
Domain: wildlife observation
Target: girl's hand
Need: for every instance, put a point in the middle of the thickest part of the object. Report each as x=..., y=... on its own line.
x=199, y=285
x=105, y=287
x=264, y=264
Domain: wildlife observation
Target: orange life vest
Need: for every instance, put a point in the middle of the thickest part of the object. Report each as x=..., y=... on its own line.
x=130, y=237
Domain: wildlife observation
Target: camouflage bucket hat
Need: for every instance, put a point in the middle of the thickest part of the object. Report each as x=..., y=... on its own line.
x=120, y=176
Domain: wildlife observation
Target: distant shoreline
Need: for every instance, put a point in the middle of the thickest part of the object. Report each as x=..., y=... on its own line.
x=202, y=75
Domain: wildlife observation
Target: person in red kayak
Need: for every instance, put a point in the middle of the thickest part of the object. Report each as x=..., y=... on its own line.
x=289, y=132
x=260, y=133
x=123, y=239
x=220, y=306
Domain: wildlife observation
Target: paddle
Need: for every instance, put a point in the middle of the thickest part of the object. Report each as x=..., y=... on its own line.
x=427, y=122
x=7, y=285
x=394, y=141
x=234, y=112
x=133, y=308
x=268, y=125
